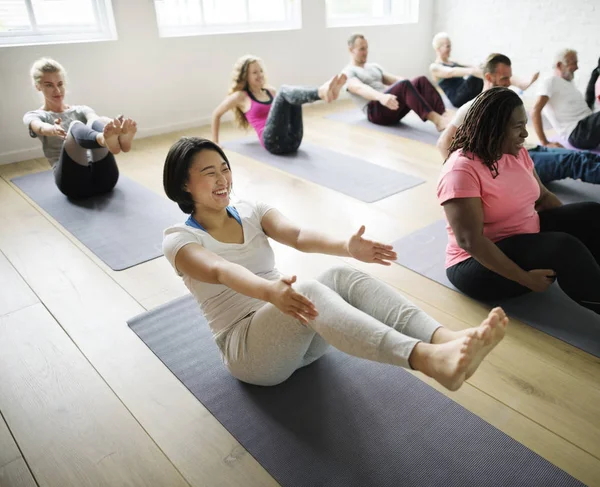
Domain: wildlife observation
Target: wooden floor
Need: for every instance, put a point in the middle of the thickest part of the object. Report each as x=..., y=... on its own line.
x=84, y=402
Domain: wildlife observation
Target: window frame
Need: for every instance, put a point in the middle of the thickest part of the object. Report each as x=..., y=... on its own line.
x=105, y=29
x=385, y=19
x=294, y=23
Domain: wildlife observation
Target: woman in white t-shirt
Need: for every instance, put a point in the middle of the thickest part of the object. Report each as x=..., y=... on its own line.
x=267, y=326
x=78, y=144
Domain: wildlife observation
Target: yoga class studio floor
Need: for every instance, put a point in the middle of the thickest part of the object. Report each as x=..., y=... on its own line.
x=85, y=402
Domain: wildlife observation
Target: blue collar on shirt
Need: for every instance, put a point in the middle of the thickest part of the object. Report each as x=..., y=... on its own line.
x=191, y=221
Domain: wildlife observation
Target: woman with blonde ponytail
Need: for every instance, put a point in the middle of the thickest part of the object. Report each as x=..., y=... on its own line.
x=275, y=116
x=79, y=144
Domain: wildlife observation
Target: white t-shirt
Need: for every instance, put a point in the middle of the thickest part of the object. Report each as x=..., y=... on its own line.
x=566, y=106
x=222, y=306
x=461, y=113
x=370, y=74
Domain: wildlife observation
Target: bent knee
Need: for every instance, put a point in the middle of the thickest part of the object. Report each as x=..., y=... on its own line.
x=336, y=274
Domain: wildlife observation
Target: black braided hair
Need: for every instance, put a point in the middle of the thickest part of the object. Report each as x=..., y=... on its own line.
x=483, y=130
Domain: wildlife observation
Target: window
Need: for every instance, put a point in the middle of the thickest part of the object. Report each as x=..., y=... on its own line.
x=346, y=13
x=193, y=17
x=54, y=21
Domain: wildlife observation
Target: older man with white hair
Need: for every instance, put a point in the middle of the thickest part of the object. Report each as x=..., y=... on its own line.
x=566, y=107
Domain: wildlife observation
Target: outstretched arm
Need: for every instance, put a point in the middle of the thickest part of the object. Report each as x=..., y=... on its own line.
x=441, y=71
x=524, y=84
x=359, y=88
x=47, y=129
x=229, y=103
x=284, y=231
x=195, y=261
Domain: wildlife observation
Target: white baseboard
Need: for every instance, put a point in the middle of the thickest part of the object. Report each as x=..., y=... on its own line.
x=21, y=155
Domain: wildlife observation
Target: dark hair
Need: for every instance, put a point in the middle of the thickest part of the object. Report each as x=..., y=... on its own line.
x=492, y=61
x=483, y=131
x=590, y=91
x=352, y=39
x=176, y=172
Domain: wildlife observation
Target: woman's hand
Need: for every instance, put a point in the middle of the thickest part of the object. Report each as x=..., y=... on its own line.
x=539, y=280
x=369, y=251
x=56, y=130
x=286, y=299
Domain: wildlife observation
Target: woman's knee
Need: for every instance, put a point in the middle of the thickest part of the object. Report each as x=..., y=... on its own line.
x=332, y=276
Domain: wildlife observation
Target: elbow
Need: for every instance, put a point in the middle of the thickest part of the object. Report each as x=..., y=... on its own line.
x=467, y=243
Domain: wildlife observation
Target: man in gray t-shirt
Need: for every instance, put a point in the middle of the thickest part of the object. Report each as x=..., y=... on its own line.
x=386, y=98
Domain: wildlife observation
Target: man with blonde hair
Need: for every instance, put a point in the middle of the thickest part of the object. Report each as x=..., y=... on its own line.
x=565, y=107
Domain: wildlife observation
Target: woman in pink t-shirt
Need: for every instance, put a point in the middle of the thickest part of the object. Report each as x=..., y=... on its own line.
x=507, y=234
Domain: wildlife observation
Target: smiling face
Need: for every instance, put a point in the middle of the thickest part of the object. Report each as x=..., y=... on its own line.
x=209, y=181
x=501, y=76
x=516, y=132
x=255, y=76
x=52, y=86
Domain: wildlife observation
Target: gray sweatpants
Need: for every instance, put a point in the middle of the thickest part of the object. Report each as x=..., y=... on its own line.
x=358, y=315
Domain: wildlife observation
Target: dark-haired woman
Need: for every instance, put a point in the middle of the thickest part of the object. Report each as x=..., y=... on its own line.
x=507, y=234
x=267, y=326
x=592, y=92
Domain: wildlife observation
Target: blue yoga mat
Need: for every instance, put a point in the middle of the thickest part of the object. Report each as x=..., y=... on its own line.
x=123, y=228
x=343, y=421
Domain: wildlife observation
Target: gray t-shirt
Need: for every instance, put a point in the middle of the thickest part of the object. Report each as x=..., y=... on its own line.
x=53, y=145
x=370, y=74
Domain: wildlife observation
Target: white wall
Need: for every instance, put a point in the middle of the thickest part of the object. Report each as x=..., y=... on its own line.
x=173, y=83
x=529, y=32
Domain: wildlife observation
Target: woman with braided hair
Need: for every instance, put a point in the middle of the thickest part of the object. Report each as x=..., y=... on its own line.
x=276, y=117
x=507, y=234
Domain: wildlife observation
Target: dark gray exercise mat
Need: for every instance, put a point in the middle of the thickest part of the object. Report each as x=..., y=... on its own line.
x=411, y=126
x=349, y=175
x=123, y=228
x=343, y=421
x=551, y=312
x=570, y=191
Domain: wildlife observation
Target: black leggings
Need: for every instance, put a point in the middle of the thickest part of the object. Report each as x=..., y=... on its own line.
x=461, y=90
x=568, y=243
x=587, y=133
x=75, y=174
x=284, y=129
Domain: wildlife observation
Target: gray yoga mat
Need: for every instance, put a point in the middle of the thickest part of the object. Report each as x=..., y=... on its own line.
x=571, y=191
x=123, y=228
x=343, y=421
x=552, y=312
x=349, y=175
x=411, y=126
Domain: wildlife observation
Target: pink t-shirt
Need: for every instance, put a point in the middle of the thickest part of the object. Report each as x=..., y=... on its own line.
x=508, y=200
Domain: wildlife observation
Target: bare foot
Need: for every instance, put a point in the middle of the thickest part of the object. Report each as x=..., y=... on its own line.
x=128, y=131
x=110, y=136
x=492, y=329
x=438, y=120
x=326, y=90
x=336, y=86
x=448, y=363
